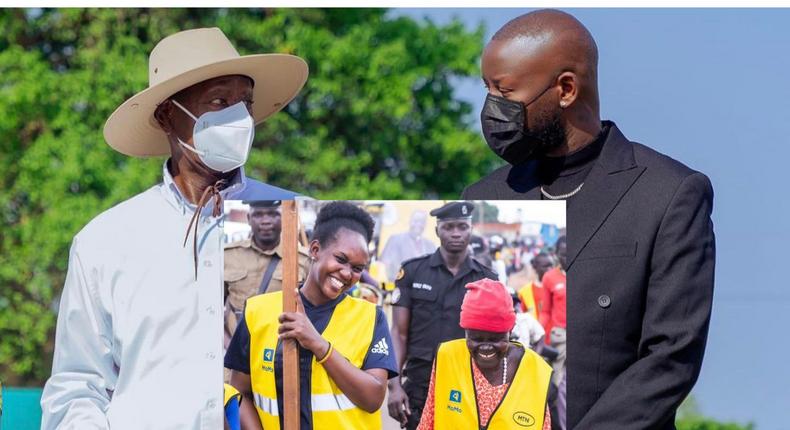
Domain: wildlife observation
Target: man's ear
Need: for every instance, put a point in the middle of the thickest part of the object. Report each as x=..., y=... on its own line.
x=569, y=88
x=163, y=115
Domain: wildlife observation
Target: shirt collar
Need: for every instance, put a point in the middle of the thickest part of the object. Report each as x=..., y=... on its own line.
x=276, y=250
x=238, y=184
x=472, y=264
x=436, y=260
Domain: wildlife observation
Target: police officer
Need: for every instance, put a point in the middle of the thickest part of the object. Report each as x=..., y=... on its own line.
x=253, y=266
x=427, y=307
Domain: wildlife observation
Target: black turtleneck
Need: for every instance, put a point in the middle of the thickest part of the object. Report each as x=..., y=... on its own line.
x=562, y=175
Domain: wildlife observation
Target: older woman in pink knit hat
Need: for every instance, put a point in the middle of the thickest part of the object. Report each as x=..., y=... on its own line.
x=486, y=381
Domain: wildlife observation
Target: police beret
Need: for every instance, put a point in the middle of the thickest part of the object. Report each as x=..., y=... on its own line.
x=454, y=210
x=263, y=203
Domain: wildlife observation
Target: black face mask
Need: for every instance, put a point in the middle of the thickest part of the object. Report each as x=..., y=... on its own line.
x=506, y=132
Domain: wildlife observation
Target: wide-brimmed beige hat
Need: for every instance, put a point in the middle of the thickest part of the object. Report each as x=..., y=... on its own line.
x=187, y=58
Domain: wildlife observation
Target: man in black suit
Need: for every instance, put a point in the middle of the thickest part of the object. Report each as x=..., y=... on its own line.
x=640, y=238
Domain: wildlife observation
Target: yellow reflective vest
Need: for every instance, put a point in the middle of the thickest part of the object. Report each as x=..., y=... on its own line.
x=350, y=330
x=455, y=403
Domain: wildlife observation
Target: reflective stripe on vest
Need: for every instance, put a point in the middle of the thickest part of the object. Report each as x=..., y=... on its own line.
x=330, y=402
x=350, y=330
x=455, y=400
x=266, y=404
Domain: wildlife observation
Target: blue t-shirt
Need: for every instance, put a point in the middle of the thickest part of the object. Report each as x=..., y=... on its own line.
x=232, y=415
x=380, y=354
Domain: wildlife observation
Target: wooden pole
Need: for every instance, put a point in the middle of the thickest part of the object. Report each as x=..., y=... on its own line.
x=303, y=237
x=289, y=240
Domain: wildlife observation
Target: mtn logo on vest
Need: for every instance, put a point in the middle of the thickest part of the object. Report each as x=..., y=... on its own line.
x=381, y=347
x=523, y=419
x=268, y=355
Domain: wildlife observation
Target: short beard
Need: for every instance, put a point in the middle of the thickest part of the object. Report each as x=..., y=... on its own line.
x=550, y=134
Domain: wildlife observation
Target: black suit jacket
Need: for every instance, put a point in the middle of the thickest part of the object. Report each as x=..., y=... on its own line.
x=640, y=268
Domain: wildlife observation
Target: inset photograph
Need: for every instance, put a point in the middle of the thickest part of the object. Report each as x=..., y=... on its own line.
x=394, y=314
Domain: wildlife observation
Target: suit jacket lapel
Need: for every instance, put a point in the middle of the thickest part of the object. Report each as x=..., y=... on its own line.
x=613, y=174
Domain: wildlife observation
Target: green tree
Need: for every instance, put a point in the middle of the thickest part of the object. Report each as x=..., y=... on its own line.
x=377, y=119
x=690, y=417
x=709, y=424
x=488, y=212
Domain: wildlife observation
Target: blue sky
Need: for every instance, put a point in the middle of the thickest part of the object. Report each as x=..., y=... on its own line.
x=708, y=87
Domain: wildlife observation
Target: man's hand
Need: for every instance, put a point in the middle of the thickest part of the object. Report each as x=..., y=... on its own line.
x=398, y=403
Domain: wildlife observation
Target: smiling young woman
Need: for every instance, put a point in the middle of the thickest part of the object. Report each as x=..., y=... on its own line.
x=344, y=358
x=485, y=378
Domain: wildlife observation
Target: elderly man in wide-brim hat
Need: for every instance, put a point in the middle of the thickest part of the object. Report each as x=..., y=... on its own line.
x=138, y=341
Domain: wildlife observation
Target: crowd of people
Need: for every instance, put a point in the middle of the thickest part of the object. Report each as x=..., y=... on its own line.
x=430, y=288
x=538, y=286
x=449, y=304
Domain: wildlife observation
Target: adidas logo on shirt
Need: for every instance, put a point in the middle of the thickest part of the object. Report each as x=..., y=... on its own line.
x=381, y=347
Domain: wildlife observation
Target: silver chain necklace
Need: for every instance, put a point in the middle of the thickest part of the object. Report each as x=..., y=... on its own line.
x=561, y=196
x=504, y=371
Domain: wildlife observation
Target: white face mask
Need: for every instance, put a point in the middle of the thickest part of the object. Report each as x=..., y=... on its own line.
x=222, y=138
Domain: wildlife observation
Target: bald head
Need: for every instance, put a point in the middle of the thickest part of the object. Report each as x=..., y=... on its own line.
x=548, y=61
x=553, y=29
x=558, y=40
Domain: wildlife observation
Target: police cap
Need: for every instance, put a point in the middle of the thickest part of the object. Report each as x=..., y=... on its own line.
x=454, y=210
x=263, y=203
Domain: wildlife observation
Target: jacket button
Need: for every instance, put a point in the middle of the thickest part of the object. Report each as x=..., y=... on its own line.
x=604, y=301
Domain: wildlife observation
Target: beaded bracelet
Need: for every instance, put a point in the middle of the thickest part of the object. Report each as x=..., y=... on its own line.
x=326, y=356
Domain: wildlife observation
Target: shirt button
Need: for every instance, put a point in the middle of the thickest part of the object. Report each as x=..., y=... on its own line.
x=604, y=301
x=207, y=263
x=212, y=404
x=210, y=310
x=210, y=355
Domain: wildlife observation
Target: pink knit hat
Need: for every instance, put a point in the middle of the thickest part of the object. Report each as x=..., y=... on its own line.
x=487, y=306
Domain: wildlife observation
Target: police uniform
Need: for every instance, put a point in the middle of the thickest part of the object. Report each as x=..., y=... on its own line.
x=434, y=297
x=245, y=265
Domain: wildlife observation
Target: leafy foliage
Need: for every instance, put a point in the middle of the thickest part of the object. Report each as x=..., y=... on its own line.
x=689, y=417
x=490, y=212
x=377, y=119
x=709, y=424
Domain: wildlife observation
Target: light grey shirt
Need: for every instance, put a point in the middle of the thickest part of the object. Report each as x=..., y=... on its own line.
x=139, y=340
x=401, y=247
